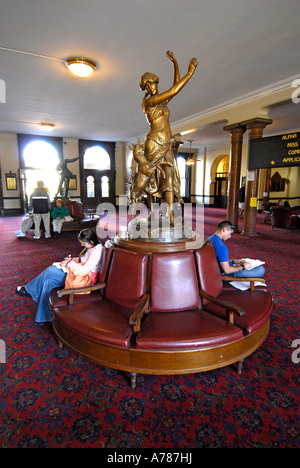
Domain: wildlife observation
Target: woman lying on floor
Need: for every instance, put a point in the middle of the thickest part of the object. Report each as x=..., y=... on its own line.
x=86, y=267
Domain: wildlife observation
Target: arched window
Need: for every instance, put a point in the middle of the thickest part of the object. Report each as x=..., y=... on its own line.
x=40, y=155
x=90, y=187
x=96, y=157
x=105, y=187
x=223, y=166
x=40, y=162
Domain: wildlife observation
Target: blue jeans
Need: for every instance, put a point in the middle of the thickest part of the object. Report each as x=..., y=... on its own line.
x=257, y=272
x=40, y=288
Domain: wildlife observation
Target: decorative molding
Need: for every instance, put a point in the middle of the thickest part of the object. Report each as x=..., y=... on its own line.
x=282, y=85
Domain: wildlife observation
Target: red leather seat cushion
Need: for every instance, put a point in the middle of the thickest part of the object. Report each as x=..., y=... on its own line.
x=257, y=305
x=185, y=330
x=102, y=321
x=227, y=286
x=174, y=284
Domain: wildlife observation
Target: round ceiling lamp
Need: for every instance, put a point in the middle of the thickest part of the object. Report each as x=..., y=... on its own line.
x=47, y=125
x=80, y=66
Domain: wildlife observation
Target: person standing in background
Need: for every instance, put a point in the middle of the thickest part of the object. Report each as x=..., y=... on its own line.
x=40, y=205
x=242, y=201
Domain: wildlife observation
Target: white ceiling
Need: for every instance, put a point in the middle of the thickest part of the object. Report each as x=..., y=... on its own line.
x=241, y=45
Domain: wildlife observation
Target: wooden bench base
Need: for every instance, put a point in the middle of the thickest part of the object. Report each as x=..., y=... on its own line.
x=162, y=362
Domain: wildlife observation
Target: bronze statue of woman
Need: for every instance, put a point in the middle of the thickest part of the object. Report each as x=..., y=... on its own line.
x=158, y=144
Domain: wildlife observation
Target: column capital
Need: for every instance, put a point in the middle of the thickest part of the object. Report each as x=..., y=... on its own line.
x=236, y=128
x=256, y=126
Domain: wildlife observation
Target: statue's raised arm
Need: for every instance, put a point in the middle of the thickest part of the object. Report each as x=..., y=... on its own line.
x=154, y=96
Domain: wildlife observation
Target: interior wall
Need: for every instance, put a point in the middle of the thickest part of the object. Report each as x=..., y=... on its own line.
x=202, y=186
x=9, y=161
x=292, y=190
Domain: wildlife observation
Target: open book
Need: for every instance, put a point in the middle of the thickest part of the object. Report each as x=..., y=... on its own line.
x=58, y=265
x=244, y=285
x=254, y=263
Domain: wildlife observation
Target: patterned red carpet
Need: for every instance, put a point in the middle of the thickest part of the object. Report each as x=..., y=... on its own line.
x=52, y=398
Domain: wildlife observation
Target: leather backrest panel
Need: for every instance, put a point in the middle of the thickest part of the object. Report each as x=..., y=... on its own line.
x=174, y=284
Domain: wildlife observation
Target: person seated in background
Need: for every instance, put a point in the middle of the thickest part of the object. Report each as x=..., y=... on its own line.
x=58, y=215
x=27, y=224
x=87, y=264
x=236, y=267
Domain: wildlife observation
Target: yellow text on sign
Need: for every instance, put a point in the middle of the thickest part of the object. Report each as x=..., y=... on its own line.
x=253, y=201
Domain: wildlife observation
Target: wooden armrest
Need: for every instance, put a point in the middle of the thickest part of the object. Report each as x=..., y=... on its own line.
x=71, y=292
x=252, y=280
x=231, y=309
x=137, y=315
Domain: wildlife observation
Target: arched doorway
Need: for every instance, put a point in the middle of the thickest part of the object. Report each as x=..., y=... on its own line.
x=220, y=174
x=97, y=161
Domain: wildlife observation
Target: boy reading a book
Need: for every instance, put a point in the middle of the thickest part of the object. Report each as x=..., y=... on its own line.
x=241, y=268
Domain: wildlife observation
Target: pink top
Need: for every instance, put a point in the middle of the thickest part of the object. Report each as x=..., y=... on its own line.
x=90, y=263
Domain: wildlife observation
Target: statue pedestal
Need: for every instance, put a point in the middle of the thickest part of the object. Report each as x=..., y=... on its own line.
x=147, y=236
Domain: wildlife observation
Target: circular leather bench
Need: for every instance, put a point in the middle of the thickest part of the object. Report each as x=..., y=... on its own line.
x=162, y=313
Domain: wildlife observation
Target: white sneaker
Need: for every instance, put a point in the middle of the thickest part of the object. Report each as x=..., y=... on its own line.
x=47, y=236
x=36, y=237
x=20, y=234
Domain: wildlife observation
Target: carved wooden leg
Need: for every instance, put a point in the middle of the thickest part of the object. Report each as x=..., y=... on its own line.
x=133, y=380
x=239, y=366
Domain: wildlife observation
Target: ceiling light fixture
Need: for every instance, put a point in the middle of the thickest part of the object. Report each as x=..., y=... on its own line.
x=80, y=66
x=47, y=126
x=191, y=161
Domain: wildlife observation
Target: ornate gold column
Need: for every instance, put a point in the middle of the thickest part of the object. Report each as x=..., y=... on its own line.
x=237, y=131
x=255, y=127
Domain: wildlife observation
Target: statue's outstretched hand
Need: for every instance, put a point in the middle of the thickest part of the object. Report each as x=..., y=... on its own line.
x=193, y=65
x=171, y=56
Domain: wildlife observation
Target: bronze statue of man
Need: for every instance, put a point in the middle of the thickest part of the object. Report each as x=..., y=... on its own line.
x=65, y=176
